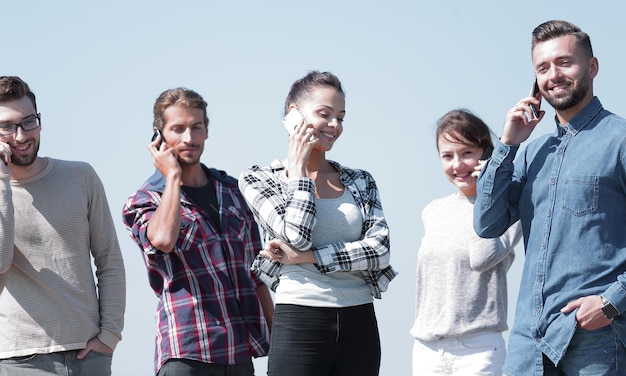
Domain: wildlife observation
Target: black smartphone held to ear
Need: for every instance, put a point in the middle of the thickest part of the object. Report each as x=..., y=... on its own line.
x=486, y=153
x=156, y=134
x=535, y=93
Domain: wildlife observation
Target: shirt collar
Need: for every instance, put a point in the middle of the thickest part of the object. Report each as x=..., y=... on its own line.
x=581, y=119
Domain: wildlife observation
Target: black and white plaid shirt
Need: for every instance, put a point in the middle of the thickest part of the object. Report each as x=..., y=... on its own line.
x=285, y=209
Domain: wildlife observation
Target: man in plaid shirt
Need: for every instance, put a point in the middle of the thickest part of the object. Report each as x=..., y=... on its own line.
x=199, y=240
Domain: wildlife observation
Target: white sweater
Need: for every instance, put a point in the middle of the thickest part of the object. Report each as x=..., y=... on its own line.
x=461, y=278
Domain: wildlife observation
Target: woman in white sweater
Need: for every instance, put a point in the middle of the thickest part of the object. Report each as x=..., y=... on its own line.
x=461, y=302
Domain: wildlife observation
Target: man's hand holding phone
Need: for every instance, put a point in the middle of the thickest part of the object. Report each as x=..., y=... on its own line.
x=522, y=119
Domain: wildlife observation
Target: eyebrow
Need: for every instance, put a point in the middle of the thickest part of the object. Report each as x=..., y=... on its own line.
x=331, y=108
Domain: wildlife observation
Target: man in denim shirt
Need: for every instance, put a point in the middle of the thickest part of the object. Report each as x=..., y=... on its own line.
x=569, y=190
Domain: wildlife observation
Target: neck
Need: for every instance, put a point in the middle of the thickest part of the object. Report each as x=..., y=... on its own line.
x=564, y=116
x=317, y=163
x=24, y=172
x=194, y=176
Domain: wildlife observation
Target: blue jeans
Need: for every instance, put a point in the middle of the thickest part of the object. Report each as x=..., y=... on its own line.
x=318, y=341
x=186, y=367
x=59, y=363
x=591, y=353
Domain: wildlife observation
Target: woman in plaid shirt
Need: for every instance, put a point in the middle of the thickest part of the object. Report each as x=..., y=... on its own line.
x=327, y=242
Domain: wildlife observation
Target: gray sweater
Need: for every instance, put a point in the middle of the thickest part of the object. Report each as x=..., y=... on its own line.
x=49, y=300
x=461, y=278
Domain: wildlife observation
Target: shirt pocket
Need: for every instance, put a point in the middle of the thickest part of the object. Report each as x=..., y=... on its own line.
x=235, y=224
x=581, y=194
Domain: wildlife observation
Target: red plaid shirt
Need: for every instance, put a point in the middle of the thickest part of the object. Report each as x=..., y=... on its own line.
x=208, y=308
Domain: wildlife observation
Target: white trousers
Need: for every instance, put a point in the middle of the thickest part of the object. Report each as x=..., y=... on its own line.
x=473, y=354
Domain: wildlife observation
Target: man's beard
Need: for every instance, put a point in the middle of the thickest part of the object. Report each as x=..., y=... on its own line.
x=26, y=160
x=570, y=99
x=187, y=161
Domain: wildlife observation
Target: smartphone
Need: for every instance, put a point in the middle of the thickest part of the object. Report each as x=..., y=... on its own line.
x=292, y=120
x=486, y=154
x=535, y=93
x=156, y=134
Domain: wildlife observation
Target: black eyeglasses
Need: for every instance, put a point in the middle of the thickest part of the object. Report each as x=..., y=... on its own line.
x=28, y=124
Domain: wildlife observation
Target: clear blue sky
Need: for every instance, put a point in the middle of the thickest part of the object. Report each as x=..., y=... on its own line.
x=97, y=68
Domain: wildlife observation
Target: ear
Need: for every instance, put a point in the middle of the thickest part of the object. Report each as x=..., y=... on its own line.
x=593, y=67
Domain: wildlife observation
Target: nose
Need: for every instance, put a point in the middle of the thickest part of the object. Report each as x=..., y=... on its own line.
x=554, y=72
x=457, y=163
x=335, y=122
x=186, y=135
x=20, y=133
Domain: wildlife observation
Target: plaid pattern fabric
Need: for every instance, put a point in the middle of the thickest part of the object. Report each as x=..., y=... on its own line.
x=285, y=209
x=208, y=308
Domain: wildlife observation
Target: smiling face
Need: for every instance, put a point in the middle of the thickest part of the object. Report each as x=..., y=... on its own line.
x=565, y=74
x=325, y=109
x=24, y=144
x=458, y=160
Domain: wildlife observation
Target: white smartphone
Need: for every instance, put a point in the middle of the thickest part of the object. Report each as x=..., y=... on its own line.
x=292, y=120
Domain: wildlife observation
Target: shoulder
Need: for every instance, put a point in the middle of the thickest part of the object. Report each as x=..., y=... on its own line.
x=71, y=165
x=74, y=169
x=441, y=202
x=220, y=175
x=263, y=172
x=353, y=174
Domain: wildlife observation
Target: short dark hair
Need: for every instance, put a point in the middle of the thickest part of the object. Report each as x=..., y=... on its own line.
x=462, y=126
x=13, y=88
x=303, y=87
x=555, y=29
x=180, y=95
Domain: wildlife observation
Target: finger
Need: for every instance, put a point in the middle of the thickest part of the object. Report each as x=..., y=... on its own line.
x=82, y=353
x=569, y=307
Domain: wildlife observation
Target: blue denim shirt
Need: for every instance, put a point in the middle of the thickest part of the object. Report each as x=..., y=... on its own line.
x=569, y=190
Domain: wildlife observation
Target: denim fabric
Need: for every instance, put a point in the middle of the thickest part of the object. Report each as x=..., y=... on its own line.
x=591, y=353
x=569, y=190
x=314, y=341
x=59, y=363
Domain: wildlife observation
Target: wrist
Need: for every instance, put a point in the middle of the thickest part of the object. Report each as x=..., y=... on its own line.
x=608, y=309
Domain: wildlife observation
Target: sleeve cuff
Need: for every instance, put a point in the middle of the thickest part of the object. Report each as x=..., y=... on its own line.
x=109, y=338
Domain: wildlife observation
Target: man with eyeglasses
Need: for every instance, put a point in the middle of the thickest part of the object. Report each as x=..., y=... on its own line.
x=55, y=319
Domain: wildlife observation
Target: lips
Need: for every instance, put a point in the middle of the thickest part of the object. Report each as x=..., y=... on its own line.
x=22, y=148
x=328, y=135
x=560, y=88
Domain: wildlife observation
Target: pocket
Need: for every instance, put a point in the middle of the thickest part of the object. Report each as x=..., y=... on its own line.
x=236, y=224
x=581, y=194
